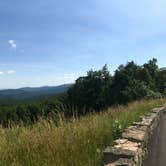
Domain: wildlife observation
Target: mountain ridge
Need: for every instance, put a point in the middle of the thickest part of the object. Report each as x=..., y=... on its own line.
x=32, y=92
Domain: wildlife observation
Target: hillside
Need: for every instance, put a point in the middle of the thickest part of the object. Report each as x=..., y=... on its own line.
x=31, y=93
x=79, y=142
x=93, y=92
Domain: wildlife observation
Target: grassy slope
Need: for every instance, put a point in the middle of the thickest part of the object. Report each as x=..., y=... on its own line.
x=78, y=143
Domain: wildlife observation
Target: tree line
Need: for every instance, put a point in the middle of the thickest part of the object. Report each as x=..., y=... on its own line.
x=93, y=92
x=99, y=89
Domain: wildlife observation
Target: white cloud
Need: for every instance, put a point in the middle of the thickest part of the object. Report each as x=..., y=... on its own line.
x=10, y=72
x=1, y=72
x=12, y=43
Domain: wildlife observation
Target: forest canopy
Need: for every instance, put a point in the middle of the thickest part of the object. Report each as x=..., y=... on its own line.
x=130, y=82
x=93, y=92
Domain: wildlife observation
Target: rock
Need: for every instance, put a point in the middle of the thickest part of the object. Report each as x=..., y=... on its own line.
x=137, y=127
x=120, y=141
x=123, y=149
x=135, y=135
x=130, y=149
x=159, y=110
x=122, y=162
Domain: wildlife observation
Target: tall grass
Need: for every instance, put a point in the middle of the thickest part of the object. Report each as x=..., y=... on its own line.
x=76, y=143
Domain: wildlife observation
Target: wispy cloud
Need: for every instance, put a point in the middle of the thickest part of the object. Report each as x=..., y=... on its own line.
x=1, y=72
x=12, y=43
x=11, y=71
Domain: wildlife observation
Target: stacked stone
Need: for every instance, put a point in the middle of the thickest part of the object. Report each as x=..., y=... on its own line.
x=131, y=148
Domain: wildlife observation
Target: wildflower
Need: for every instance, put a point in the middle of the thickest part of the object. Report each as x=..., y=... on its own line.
x=98, y=150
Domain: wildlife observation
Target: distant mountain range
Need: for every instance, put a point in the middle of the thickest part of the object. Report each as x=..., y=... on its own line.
x=163, y=69
x=31, y=93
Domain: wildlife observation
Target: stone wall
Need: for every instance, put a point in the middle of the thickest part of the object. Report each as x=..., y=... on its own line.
x=131, y=148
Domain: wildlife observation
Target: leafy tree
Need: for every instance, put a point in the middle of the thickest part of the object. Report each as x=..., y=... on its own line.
x=152, y=68
x=23, y=114
x=91, y=91
x=122, y=78
x=137, y=90
x=161, y=81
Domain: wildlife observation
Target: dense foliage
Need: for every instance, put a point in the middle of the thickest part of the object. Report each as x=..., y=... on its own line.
x=130, y=82
x=28, y=112
x=93, y=92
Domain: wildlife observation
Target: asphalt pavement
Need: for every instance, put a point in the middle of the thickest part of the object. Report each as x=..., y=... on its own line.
x=157, y=146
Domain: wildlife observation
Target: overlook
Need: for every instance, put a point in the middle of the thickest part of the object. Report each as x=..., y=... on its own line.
x=82, y=83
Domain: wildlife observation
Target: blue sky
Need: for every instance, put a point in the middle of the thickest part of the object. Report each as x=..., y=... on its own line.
x=51, y=42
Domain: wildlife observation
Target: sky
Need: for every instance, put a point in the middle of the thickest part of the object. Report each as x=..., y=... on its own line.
x=53, y=42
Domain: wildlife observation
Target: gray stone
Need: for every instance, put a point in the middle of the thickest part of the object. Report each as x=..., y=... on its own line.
x=123, y=149
x=129, y=150
x=135, y=135
x=137, y=127
x=122, y=162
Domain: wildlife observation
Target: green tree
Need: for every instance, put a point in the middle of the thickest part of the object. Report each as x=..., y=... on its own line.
x=92, y=91
x=122, y=78
x=161, y=81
